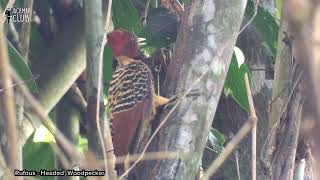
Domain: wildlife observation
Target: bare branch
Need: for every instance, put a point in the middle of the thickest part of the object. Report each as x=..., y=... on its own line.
x=95, y=109
x=37, y=109
x=254, y=128
x=199, y=63
x=8, y=105
x=245, y=129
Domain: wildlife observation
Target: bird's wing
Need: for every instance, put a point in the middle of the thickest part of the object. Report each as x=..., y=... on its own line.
x=130, y=102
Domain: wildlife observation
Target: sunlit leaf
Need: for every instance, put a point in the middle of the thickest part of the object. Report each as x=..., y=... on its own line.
x=239, y=56
x=83, y=144
x=42, y=134
x=234, y=85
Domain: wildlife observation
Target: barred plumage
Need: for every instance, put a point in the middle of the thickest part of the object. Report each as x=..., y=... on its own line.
x=130, y=101
x=131, y=95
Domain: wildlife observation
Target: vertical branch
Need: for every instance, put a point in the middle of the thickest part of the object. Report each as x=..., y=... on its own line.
x=279, y=88
x=254, y=128
x=8, y=105
x=24, y=37
x=107, y=134
x=203, y=52
x=251, y=123
x=95, y=109
x=306, y=49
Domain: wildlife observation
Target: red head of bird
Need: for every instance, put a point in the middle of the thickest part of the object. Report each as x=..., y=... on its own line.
x=123, y=43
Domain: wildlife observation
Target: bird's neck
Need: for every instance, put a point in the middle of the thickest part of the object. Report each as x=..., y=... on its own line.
x=124, y=60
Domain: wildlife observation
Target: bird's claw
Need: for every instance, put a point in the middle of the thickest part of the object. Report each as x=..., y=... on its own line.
x=174, y=99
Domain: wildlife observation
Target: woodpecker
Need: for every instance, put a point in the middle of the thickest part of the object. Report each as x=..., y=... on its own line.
x=132, y=99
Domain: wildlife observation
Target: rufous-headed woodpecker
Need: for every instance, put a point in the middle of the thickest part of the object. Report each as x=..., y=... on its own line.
x=132, y=99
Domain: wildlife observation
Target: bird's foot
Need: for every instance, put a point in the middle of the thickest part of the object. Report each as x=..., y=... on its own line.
x=175, y=99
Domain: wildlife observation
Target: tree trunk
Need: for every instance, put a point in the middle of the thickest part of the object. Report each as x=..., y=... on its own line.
x=201, y=59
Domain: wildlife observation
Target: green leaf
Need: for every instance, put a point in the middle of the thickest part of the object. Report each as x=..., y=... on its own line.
x=125, y=16
x=279, y=8
x=216, y=140
x=83, y=144
x=42, y=134
x=22, y=68
x=38, y=156
x=161, y=28
x=234, y=85
x=107, y=68
x=267, y=26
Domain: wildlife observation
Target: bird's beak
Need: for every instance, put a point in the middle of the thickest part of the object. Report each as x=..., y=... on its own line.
x=140, y=40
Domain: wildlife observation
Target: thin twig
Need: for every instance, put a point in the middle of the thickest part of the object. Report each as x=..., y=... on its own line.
x=241, y=133
x=171, y=111
x=166, y=118
x=77, y=97
x=106, y=140
x=252, y=18
x=236, y=155
x=178, y=5
x=245, y=129
x=8, y=104
x=37, y=109
x=209, y=148
x=254, y=128
x=24, y=82
x=250, y=123
x=151, y=156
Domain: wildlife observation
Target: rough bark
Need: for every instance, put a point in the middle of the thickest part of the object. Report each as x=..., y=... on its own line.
x=283, y=161
x=306, y=48
x=230, y=116
x=279, y=153
x=23, y=44
x=203, y=51
x=94, y=36
x=281, y=76
x=8, y=134
x=280, y=83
